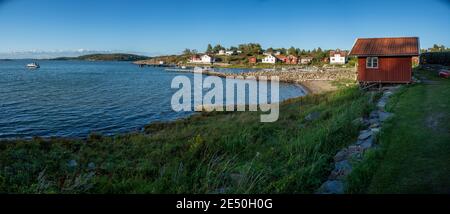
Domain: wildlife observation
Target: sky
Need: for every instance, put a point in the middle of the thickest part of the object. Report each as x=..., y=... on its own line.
x=155, y=27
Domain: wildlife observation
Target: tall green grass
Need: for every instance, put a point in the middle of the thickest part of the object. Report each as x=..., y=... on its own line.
x=206, y=153
x=414, y=152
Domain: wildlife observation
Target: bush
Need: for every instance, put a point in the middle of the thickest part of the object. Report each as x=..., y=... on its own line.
x=442, y=58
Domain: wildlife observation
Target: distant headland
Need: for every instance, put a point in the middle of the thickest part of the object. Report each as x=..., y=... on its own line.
x=106, y=57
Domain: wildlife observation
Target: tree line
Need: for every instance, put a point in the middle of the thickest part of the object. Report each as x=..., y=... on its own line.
x=254, y=49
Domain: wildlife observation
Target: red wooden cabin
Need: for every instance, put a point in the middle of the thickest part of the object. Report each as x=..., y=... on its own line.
x=385, y=60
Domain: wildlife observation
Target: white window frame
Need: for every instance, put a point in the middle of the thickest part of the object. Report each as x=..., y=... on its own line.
x=370, y=61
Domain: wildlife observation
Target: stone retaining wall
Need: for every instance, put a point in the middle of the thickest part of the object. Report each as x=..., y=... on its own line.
x=345, y=158
x=298, y=76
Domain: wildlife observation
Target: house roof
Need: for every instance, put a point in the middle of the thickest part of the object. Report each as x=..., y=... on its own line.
x=281, y=56
x=342, y=53
x=400, y=46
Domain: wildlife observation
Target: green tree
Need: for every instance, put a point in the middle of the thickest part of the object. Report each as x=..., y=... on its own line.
x=319, y=50
x=217, y=48
x=292, y=51
x=187, y=51
x=282, y=50
x=251, y=48
x=209, y=50
x=232, y=48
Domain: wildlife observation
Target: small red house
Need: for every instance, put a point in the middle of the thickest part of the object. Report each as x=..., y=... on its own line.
x=291, y=60
x=252, y=60
x=282, y=58
x=385, y=60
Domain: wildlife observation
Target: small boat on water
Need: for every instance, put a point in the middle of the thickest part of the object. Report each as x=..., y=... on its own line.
x=33, y=65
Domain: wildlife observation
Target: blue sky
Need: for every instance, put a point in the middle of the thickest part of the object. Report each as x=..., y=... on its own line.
x=165, y=27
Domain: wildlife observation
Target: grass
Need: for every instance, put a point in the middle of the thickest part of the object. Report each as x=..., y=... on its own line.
x=415, y=145
x=206, y=153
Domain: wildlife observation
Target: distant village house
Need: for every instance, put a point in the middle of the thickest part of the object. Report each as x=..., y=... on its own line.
x=270, y=59
x=281, y=58
x=291, y=60
x=208, y=59
x=205, y=59
x=230, y=53
x=195, y=59
x=338, y=57
x=306, y=60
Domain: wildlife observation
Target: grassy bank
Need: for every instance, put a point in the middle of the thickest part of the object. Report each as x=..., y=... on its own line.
x=415, y=145
x=207, y=153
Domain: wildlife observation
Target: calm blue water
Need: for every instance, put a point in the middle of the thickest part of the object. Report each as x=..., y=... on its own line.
x=76, y=98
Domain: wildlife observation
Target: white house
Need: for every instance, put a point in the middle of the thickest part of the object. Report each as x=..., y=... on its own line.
x=270, y=59
x=306, y=60
x=229, y=53
x=338, y=57
x=221, y=53
x=207, y=59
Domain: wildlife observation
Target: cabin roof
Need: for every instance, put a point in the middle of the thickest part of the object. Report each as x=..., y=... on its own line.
x=400, y=46
x=340, y=52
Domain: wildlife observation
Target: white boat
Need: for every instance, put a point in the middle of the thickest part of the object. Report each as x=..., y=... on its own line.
x=33, y=65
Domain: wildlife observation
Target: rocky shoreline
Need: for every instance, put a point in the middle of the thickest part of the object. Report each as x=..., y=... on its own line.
x=314, y=81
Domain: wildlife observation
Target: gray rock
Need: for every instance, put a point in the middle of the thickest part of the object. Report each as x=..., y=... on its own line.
x=355, y=152
x=375, y=130
x=365, y=134
x=91, y=166
x=72, y=164
x=312, y=116
x=341, y=155
x=366, y=123
x=374, y=125
x=372, y=121
x=381, y=104
x=341, y=170
x=387, y=94
x=343, y=165
x=367, y=143
x=385, y=115
x=373, y=115
x=332, y=187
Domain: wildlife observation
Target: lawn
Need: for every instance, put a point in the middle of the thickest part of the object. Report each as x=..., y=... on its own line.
x=415, y=145
x=207, y=153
